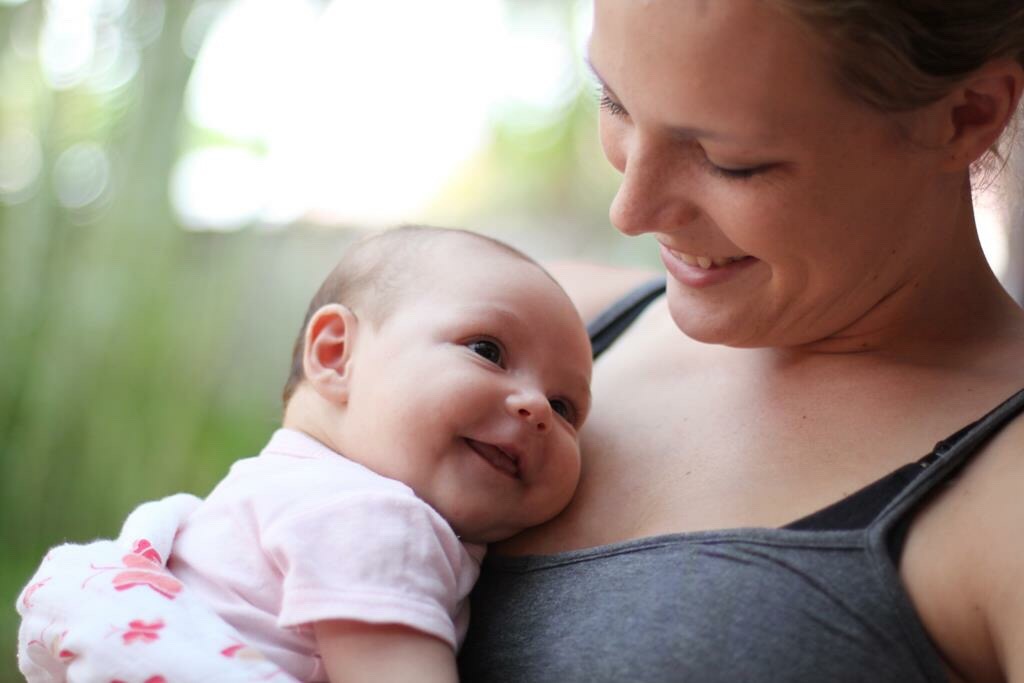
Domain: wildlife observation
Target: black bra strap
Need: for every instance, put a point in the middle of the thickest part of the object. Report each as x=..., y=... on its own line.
x=606, y=328
x=943, y=465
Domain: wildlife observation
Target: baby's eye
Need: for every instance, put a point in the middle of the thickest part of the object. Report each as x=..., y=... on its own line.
x=490, y=350
x=565, y=409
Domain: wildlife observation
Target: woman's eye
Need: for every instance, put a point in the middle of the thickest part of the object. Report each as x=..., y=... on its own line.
x=606, y=103
x=736, y=173
x=565, y=409
x=488, y=350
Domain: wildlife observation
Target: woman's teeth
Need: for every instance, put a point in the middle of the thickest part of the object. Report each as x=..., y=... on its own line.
x=706, y=262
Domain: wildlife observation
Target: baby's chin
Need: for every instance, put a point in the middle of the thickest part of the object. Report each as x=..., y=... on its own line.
x=486, y=534
x=491, y=526
x=492, y=530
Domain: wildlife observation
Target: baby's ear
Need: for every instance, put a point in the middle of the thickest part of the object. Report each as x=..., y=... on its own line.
x=327, y=351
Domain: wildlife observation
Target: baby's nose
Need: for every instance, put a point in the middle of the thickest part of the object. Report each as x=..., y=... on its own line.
x=532, y=407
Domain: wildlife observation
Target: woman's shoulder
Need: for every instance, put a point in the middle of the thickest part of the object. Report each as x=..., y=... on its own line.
x=594, y=287
x=968, y=536
x=1000, y=510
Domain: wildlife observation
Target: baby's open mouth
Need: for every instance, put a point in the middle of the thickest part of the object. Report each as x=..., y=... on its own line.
x=502, y=461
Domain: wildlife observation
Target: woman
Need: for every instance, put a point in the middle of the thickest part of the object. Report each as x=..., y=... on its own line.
x=804, y=166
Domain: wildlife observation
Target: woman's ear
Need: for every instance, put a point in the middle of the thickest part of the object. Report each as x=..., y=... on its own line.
x=978, y=110
x=327, y=352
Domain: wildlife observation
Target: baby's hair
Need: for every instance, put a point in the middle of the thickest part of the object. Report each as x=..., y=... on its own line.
x=374, y=274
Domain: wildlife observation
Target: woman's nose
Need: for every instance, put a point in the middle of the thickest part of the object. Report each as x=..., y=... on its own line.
x=531, y=406
x=654, y=195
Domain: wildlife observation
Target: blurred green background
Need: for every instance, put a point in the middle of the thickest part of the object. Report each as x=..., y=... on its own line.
x=143, y=343
x=158, y=243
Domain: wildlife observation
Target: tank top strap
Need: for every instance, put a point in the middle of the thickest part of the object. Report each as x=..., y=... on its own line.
x=941, y=466
x=614, y=320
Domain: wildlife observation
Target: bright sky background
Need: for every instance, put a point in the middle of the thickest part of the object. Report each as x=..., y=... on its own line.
x=360, y=113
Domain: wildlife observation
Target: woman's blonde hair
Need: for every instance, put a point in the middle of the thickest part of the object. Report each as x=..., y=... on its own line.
x=898, y=55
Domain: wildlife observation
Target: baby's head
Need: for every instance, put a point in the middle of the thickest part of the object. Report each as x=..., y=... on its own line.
x=455, y=364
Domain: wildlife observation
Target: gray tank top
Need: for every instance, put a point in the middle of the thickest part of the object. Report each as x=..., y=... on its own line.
x=817, y=600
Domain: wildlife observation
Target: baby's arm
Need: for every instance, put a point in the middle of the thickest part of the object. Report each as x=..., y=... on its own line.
x=383, y=579
x=354, y=651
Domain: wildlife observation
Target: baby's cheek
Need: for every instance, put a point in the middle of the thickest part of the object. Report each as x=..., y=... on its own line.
x=563, y=477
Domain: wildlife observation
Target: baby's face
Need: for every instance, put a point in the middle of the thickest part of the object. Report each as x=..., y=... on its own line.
x=473, y=391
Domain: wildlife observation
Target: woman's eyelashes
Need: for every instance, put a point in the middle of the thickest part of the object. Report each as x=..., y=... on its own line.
x=489, y=350
x=735, y=173
x=606, y=103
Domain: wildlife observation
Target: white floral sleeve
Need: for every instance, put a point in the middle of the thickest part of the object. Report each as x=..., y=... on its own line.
x=110, y=611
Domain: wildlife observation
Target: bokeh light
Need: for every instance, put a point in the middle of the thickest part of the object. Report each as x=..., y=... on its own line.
x=80, y=175
x=219, y=188
x=66, y=44
x=990, y=217
x=115, y=60
x=20, y=162
x=362, y=119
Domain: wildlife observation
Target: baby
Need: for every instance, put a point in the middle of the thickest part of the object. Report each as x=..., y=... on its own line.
x=436, y=392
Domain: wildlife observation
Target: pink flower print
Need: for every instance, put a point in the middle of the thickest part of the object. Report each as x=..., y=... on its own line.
x=53, y=645
x=248, y=656
x=143, y=567
x=146, y=549
x=242, y=651
x=142, y=571
x=141, y=631
x=151, y=679
x=26, y=598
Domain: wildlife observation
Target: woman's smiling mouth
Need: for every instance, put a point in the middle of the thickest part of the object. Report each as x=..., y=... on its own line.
x=703, y=271
x=705, y=262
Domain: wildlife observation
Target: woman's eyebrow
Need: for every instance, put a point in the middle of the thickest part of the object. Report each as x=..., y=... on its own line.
x=681, y=132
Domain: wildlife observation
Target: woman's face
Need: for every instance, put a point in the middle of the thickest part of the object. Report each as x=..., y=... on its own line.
x=786, y=210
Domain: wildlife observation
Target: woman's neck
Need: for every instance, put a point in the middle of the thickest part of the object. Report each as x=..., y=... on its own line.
x=953, y=303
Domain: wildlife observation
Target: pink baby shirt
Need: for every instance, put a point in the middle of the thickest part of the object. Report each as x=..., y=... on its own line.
x=301, y=534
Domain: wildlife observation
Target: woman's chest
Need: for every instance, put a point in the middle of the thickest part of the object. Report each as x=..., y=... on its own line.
x=719, y=606
x=710, y=455
x=676, y=444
